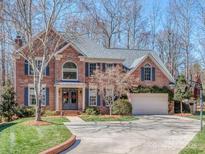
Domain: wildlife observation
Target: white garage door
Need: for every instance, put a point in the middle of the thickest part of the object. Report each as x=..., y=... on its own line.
x=149, y=103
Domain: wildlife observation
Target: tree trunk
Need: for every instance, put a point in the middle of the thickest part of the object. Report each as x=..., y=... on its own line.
x=38, y=109
x=37, y=89
x=181, y=107
x=110, y=110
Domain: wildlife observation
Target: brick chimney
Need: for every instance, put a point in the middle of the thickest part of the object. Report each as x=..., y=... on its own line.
x=18, y=42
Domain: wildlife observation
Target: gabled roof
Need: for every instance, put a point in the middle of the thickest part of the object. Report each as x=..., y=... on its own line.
x=157, y=62
x=91, y=49
x=132, y=57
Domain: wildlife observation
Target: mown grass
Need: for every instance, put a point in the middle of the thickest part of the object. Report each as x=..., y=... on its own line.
x=107, y=118
x=197, y=145
x=18, y=138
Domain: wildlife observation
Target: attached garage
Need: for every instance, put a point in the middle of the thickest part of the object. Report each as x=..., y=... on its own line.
x=149, y=103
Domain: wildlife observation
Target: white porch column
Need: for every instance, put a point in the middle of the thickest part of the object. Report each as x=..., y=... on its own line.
x=83, y=98
x=57, y=103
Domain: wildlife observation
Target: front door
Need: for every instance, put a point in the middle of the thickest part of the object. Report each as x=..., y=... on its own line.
x=70, y=98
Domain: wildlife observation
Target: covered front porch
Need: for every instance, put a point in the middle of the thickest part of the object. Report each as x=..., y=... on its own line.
x=70, y=96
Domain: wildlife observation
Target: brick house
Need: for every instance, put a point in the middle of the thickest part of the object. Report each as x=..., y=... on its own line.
x=66, y=81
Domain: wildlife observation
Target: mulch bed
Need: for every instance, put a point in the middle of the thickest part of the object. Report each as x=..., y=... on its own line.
x=183, y=114
x=112, y=116
x=36, y=123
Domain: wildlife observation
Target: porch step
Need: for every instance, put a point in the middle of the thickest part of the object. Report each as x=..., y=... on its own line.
x=70, y=112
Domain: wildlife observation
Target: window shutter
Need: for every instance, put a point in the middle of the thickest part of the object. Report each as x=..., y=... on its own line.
x=142, y=73
x=26, y=65
x=47, y=70
x=86, y=69
x=26, y=96
x=47, y=96
x=86, y=97
x=98, y=100
x=153, y=73
x=103, y=66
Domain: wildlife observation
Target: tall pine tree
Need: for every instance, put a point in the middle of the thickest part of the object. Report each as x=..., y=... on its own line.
x=8, y=104
x=182, y=91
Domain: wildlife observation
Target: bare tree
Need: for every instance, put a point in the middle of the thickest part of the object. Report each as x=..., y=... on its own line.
x=29, y=18
x=133, y=23
x=154, y=21
x=112, y=84
x=2, y=44
x=107, y=16
x=184, y=16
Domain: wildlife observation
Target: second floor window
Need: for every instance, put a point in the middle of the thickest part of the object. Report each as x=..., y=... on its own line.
x=147, y=72
x=38, y=63
x=109, y=66
x=92, y=68
x=70, y=71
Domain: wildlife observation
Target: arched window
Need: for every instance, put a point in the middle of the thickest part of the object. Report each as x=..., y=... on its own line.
x=147, y=72
x=70, y=71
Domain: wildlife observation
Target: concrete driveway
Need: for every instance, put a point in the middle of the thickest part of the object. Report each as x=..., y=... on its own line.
x=150, y=134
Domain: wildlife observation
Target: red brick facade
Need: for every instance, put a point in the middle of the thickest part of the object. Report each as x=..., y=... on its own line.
x=160, y=78
x=55, y=75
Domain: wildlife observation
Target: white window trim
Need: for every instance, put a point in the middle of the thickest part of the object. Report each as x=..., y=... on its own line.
x=89, y=68
x=70, y=71
x=150, y=66
x=32, y=86
x=93, y=87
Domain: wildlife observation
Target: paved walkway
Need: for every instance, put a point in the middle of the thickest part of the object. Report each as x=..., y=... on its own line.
x=75, y=119
x=150, y=134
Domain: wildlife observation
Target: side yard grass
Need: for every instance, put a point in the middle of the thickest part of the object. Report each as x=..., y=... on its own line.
x=18, y=138
x=107, y=118
x=197, y=116
x=197, y=145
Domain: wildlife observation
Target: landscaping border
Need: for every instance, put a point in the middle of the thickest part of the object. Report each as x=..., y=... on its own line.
x=60, y=147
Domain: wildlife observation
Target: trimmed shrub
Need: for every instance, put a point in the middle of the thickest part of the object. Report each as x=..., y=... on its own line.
x=122, y=107
x=154, y=89
x=92, y=111
x=25, y=111
x=49, y=113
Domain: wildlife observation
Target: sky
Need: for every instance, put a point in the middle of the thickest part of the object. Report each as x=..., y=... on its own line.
x=147, y=6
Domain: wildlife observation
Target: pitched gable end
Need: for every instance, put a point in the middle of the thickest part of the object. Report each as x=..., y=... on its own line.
x=156, y=61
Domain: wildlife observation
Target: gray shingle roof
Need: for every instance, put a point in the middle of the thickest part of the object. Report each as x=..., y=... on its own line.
x=91, y=49
x=131, y=57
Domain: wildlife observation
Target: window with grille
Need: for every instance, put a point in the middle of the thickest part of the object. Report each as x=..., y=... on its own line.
x=70, y=71
x=92, y=97
x=92, y=68
x=147, y=72
x=32, y=100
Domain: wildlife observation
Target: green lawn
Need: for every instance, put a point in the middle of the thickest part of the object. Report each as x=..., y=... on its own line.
x=18, y=138
x=197, y=116
x=197, y=145
x=107, y=118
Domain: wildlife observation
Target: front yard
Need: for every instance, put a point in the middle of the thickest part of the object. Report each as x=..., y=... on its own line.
x=20, y=138
x=107, y=118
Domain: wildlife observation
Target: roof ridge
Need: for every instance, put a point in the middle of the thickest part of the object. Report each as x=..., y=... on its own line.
x=130, y=49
